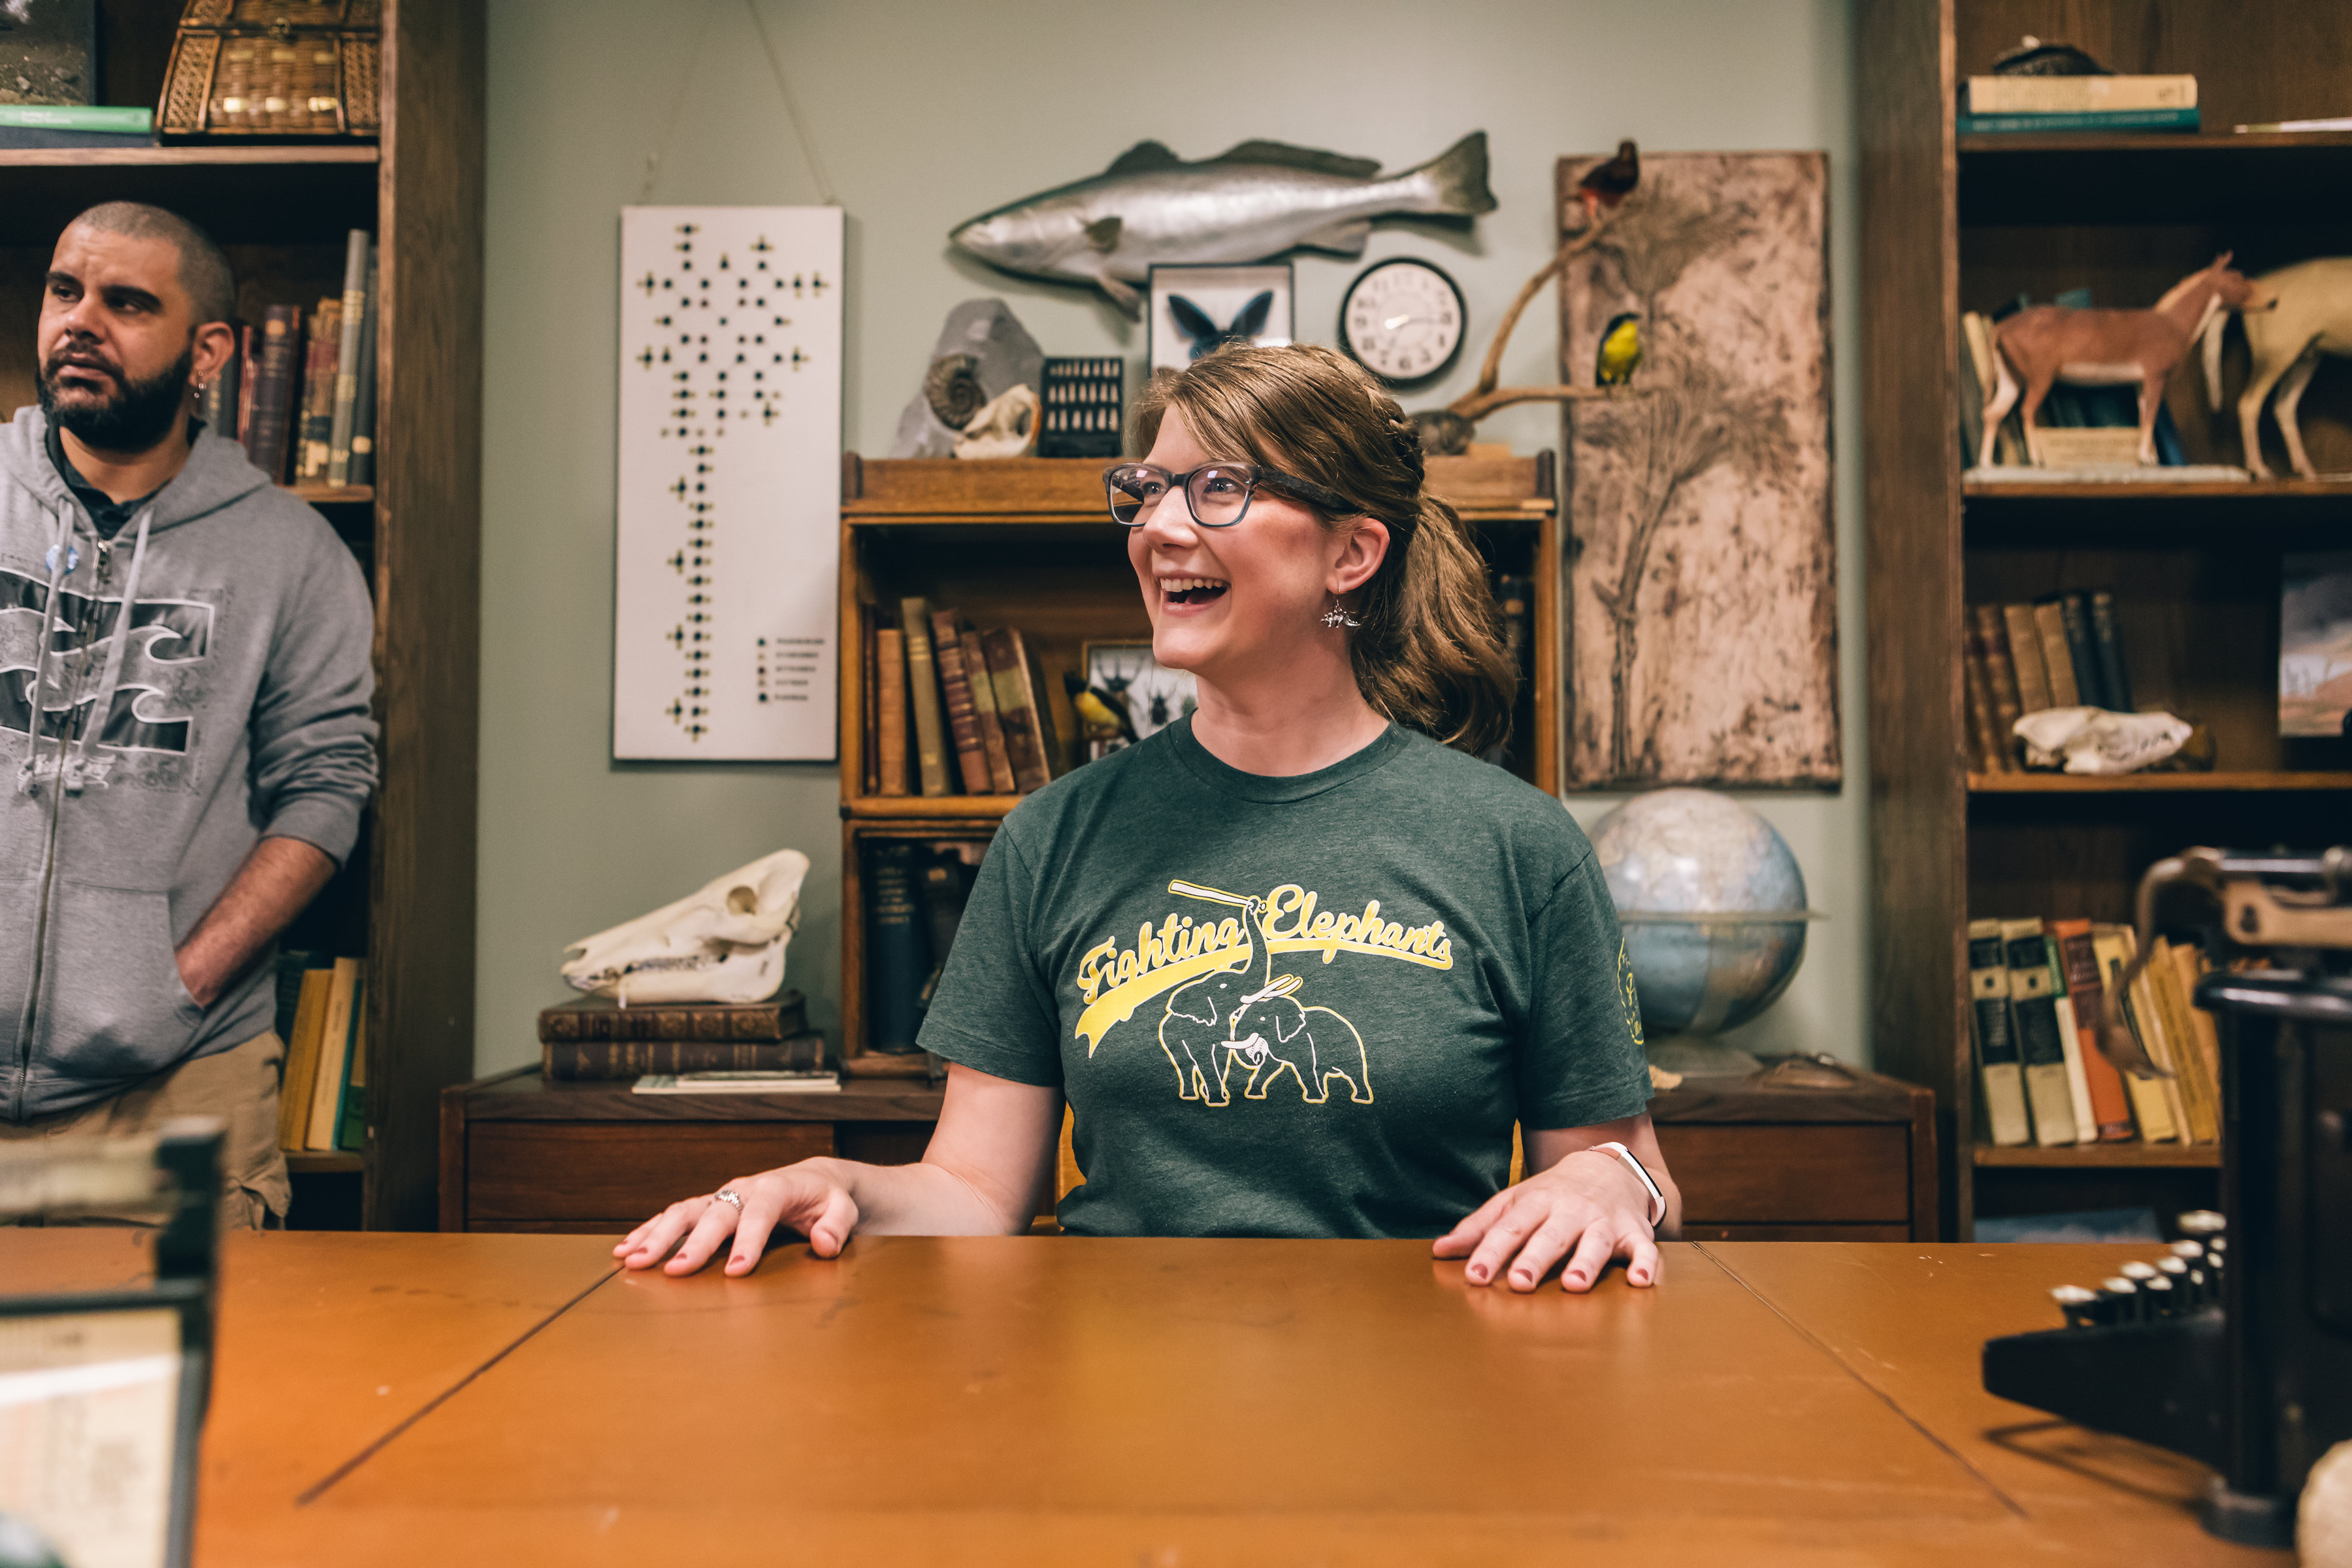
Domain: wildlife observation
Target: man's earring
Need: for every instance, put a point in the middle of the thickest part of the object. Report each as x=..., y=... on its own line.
x=1337, y=616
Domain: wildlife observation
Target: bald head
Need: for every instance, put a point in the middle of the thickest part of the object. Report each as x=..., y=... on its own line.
x=203, y=269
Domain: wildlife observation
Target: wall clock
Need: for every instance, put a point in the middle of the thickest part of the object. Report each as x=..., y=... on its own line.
x=1403, y=319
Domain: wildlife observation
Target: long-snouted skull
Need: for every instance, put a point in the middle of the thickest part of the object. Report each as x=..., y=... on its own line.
x=725, y=944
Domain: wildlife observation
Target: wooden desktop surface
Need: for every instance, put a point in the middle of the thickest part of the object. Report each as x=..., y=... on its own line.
x=463, y=1399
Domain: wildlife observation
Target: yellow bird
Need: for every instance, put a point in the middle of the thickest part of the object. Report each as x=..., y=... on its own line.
x=1620, y=351
x=1103, y=717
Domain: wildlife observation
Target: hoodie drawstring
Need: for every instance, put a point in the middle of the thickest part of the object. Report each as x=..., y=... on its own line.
x=77, y=768
x=63, y=558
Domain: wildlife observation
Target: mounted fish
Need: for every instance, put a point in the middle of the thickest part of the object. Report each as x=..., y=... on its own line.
x=1257, y=201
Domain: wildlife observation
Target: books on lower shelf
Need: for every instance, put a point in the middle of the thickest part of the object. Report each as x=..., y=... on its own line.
x=914, y=895
x=322, y=1096
x=956, y=709
x=2061, y=651
x=2038, y=994
x=300, y=392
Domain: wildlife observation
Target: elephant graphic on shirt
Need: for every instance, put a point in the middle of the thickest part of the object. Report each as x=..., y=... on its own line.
x=1202, y=1030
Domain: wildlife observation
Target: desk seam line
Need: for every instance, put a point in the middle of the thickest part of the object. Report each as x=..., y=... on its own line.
x=320, y=1489
x=1848, y=1368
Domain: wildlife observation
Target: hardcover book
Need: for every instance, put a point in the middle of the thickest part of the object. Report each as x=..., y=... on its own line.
x=595, y=1018
x=321, y=343
x=597, y=1061
x=983, y=705
x=1999, y=1070
x=923, y=697
x=956, y=690
x=270, y=432
x=2033, y=1013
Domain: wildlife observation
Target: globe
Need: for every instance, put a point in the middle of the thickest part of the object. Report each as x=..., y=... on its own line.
x=1714, y=911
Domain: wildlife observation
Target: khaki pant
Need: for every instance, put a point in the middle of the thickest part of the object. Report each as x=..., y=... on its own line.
x=238, y=1084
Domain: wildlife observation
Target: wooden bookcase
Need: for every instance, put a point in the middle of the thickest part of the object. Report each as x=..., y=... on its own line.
x=1954, y=223
x=405, y=899
x=1028, y=543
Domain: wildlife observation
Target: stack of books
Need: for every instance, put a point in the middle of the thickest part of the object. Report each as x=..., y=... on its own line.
x=974, y=703
x=2036, y=999
x=2026, y=105
x=2062, y=650
x=322, y=1018
x=25, y=125
x=301, y=391
x=594, y=1038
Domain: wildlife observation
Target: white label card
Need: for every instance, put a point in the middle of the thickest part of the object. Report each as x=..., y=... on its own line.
x=725, y=556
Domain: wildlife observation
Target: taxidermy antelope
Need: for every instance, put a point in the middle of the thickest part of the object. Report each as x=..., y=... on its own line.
x=2051, y=343
x=2313, y=316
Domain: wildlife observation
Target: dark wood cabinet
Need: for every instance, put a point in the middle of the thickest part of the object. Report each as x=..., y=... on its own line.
x=1756, y=1161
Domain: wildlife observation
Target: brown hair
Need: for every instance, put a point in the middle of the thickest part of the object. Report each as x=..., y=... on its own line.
x=1430, y=653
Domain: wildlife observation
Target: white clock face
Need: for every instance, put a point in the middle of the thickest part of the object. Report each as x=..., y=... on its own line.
x=1404, y=320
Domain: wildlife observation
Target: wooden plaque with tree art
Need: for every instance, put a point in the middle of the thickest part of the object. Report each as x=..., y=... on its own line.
x=1701, y=595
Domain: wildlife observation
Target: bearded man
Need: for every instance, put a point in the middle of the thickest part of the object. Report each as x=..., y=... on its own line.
x=184, y=738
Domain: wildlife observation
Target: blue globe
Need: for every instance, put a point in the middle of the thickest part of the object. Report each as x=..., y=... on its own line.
x=1713, y=905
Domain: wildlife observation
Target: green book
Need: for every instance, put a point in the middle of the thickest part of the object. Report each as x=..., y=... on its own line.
x=2106, y=120
x=77, y=117
x=351, y=1121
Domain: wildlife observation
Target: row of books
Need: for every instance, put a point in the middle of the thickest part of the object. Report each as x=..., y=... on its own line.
x=2062, y=650
x=2036, y=997
x=2025, y=105
x=974, y=703
x=915, y=893
x=322, y=1018
x=2066, y=406
x=301, y=391
x=594, y=1038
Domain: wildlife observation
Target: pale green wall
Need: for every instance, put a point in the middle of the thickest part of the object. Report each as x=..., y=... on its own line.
x=924, y=114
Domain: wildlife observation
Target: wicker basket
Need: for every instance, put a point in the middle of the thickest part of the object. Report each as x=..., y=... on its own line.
x=279, y=69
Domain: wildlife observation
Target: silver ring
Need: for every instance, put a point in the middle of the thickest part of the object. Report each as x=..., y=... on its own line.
x=730, y=1195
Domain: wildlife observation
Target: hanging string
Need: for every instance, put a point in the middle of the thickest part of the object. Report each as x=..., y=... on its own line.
x=791, y=107
x=677, y=107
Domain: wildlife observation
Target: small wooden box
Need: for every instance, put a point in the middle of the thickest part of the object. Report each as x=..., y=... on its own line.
x=277, y=68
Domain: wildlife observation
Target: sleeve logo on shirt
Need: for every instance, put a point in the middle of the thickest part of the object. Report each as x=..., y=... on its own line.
x=1627, y=993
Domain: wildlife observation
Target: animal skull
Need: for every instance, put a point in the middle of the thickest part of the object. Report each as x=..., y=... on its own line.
x=725, y=944
x=1005, y=427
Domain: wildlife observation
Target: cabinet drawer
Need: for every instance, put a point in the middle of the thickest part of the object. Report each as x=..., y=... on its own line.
x=618, y=1171
x=1791, y=1173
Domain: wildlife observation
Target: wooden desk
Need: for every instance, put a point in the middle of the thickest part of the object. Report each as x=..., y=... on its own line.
x=1756, y=1161
x=1057, y=1400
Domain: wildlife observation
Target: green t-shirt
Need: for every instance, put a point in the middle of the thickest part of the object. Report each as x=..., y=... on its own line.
x=1307, y=1006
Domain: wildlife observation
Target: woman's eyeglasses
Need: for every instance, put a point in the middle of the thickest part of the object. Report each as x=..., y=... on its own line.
x=1216, y=494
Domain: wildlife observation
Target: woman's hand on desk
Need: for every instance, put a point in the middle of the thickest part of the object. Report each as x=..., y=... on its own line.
x=1579, y=1203
x=813, y=1198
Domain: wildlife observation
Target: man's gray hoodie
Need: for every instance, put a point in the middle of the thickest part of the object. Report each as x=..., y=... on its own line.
x=236, y=709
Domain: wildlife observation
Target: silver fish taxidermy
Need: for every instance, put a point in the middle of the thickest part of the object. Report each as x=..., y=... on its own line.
x=1249, y=204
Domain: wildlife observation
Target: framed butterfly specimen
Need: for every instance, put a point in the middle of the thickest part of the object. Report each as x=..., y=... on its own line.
x=1196, y=308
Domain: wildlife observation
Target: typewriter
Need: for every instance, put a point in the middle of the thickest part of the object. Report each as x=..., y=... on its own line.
x=2234, y=1345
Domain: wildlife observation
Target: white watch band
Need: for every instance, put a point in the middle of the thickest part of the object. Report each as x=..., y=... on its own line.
x=1657, y=1198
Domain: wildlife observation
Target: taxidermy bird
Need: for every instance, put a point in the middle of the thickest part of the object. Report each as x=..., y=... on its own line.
x=1620, y=351
x=1201, y=328
x=1102, y=716
x=1606, y=184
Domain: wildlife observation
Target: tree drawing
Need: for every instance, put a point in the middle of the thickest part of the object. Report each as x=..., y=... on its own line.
x=1693, y=415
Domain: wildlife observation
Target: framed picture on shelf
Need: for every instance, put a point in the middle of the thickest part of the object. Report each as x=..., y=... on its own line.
x=1196, y=308
x=1139, y=689
x=2315, y=643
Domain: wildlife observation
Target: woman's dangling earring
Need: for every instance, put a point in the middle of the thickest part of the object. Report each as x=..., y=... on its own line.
x=1338, y=615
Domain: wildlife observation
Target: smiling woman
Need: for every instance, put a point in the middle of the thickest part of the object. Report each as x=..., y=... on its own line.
x=1357, y=954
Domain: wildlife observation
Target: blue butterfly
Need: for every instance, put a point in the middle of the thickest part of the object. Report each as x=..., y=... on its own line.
x=1197, y=324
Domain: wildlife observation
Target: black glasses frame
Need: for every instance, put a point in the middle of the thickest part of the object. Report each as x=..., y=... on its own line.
x=1251, y=476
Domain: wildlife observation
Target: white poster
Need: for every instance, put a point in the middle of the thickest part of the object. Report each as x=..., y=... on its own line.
x=730, y=495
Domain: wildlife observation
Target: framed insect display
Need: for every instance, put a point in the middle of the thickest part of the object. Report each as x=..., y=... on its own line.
x=1196, y=308
x=1403, y=319
x=1138, y=689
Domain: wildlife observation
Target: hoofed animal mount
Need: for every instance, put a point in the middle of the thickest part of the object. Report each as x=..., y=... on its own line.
x=2049, y=343
x=724, y=944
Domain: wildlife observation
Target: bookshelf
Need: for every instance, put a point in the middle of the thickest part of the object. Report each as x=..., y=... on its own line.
x=1952, y=224
x=405, y=899
x=1027, y=543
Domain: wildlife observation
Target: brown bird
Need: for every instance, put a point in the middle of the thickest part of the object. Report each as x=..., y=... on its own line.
x=1606, y=184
